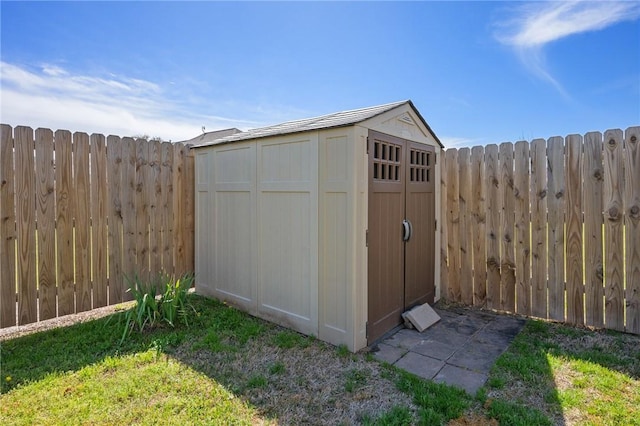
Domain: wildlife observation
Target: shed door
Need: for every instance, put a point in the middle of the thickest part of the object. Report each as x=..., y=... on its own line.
x=401, y=189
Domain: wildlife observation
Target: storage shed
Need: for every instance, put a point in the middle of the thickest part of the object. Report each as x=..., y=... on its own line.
x=325, y=225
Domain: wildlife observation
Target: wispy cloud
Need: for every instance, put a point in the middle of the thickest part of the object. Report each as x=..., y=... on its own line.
x=51, y=96
x=532, y=26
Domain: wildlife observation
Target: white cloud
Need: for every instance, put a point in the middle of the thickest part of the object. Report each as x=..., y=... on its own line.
x=53, y=97
x=535, y=25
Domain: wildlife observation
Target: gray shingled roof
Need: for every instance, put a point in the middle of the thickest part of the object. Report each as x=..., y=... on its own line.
x=337, y=119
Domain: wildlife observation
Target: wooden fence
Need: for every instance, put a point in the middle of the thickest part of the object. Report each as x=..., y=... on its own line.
x=549, y=229
x=79, y=213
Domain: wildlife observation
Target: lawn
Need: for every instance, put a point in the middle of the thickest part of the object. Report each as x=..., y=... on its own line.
x=227, y=367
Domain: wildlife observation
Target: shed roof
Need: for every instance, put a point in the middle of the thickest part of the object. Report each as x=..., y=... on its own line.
x=211, y=136
x=337, y=119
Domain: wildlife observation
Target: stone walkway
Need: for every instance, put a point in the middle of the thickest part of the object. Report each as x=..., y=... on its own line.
x=458, y=350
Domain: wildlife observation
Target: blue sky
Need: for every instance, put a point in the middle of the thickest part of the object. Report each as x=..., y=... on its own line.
x=479, y=72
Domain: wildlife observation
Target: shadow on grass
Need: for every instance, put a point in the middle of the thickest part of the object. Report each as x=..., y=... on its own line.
x=565, y=372
x=32, y=357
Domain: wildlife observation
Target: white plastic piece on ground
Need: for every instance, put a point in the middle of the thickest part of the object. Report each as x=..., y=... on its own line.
x=421, y=317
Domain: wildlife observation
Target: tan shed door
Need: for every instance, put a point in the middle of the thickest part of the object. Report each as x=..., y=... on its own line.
x=401, y=206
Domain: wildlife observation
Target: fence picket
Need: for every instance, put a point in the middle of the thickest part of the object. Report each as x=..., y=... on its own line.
x=46, y=222
x=179, y=210
x=99, y=206
x=613, y=212
x=129, y=255
x=507, y=229
x=453, y=225
x=26, y=225
x=555, y=218
x=115, y=223
x=167, y=207
x=464, y=187
x=594, y=270
x=81, y=221
x=154, y=188
x=7, y=229
x=478, y=228
x=522, y=229
x=632, y=228
x=142, y=210
x=444, y=240
x=574, y=208
x=493, y=226
x=539, y=295
x=64, y=222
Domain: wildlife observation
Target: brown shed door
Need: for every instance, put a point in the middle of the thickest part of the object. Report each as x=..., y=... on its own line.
x=401, y=189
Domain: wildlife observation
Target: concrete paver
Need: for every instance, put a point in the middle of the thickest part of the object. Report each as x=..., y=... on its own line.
x=420, y=365
x=462, y=378
x=459, y=350
x=389, y=353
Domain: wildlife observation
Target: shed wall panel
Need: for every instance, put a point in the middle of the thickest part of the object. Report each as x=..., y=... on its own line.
x=203, y=237
x=233, y=218
x=288, y=231
x=337, y=233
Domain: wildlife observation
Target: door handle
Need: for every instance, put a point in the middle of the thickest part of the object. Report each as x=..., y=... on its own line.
x=407, y=230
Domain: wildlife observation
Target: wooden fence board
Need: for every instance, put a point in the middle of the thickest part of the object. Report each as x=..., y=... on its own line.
x=7, y=229
x=154, y=189
x=46, y=224
x=478, y=226
x=493, y=226
x=522, y=228
x=594, y=270
x=167, y=207
x=26, y=225
x=99, y=225
x=453, y=225
x=129, y=255
x=115, y=225
x=444, y=240
x=574, y=208
x=464, y=203
x=81, y=222
x=507, y=229
x=613, y=211
x=64, y=222
x=539, y=302
x=555, y=219
x=142, y=210
x=179, y=210
x=632, y=228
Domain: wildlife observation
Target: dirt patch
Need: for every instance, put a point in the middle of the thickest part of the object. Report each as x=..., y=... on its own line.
x=473, y=420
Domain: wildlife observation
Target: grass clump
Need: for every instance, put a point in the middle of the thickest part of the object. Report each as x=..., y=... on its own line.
x=153, y=308
x=396, y=416
x=355, y=379
x=288, y=339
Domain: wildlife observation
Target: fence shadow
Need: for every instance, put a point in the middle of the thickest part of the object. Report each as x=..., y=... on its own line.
x=556, y=366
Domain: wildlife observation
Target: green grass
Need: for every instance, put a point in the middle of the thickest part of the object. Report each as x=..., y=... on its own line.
x=592, y=377
x=228, y=367
x=84, y=374
x=288, y=339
